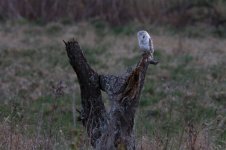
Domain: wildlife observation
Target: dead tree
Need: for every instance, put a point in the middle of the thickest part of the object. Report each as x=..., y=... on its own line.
x=114, y=129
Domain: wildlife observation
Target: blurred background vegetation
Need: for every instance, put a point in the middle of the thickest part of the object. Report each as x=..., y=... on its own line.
x=176, y=13
x=183, y=103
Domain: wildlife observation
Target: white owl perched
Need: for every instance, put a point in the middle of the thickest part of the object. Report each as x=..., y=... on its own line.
x=145, y=42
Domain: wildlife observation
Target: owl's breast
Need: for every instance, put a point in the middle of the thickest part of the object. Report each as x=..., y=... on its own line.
x=144, y=47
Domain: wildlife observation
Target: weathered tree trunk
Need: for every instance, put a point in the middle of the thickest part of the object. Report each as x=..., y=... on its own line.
x=114, y=129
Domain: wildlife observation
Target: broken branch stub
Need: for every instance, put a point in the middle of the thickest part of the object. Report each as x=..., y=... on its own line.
x=114, y=129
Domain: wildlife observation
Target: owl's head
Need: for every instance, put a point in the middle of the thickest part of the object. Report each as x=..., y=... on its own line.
x=143, y=35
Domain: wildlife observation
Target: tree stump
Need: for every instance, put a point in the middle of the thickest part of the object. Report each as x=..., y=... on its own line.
x=114, y=129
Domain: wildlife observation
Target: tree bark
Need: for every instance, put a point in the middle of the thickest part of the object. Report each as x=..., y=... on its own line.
x=114, y=129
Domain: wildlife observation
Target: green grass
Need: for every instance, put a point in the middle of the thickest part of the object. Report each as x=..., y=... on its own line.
x=53, y=29
x=185, y=87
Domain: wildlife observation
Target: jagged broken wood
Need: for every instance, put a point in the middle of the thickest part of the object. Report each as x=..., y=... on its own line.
x=114, y=129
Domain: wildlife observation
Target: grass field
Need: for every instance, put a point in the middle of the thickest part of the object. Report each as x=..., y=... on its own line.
x=183, y=103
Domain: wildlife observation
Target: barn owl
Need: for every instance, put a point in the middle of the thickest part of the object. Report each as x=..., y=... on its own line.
x=145, y=42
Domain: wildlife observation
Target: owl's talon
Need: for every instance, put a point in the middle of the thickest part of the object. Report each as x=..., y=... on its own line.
x=153, y=61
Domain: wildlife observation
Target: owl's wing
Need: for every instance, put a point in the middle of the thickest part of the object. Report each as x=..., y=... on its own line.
x=151, y=45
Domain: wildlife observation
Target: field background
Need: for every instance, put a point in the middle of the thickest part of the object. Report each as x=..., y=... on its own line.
x=183, y=103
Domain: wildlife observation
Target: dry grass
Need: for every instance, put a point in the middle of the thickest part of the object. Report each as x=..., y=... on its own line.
x=15, y=140
x=182, y=105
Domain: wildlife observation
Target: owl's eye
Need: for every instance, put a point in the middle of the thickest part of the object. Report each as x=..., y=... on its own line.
x=143, y=37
